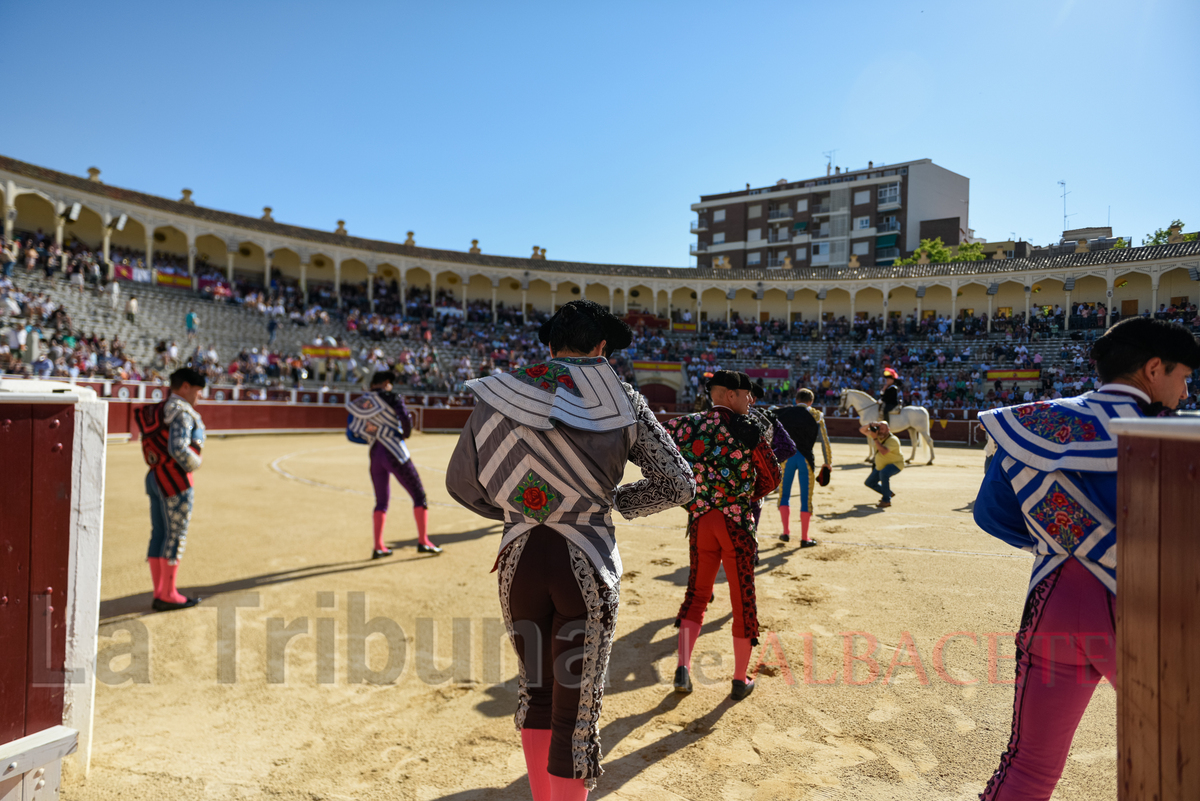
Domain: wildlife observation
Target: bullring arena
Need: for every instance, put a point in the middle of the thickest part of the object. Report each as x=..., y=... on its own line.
x=283, y=519
x=312, y=671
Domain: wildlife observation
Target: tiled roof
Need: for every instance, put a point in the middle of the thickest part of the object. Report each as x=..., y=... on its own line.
x=315, y=239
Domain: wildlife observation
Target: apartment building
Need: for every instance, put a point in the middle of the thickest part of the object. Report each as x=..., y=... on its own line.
x=873, y=216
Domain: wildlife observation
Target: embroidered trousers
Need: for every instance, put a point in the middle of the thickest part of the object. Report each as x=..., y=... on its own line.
x=797, y=467
x=1067, y=642
x=383, y=467
x=169, y=518
x=561, y=620
x=713, y=543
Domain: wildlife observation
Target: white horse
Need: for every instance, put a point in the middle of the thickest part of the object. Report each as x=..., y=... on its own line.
x=914, y=419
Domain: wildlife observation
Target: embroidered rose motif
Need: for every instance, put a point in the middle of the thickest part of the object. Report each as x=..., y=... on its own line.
x=1058, y=500
x=1063, y=434
x=545, y=385
x=537, y=371
x=534, y=498
x=698, y=448
x=736, y=455
x=566, y=381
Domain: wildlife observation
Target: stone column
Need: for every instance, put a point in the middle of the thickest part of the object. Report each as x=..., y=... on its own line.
x=698, y=312
x=1154, y=298
x=989, y=323
x=5, y=208
x=920, y=308
x=788, y=321
x=191, y=253
x=495, y=319
x=954, y=304
x=853, y=298
x=149, y=248
x=267, y=270
x=728, y=311
x=371, y=268
x=1108, y=302
x=820, y=315
x=304, y=279
x=757, y=309
x=1067, y=311
x=230, y=252
x=625, y=294
x=670, y=325
x=337, y=281
x=106, y=243
x=553, y=294
x=656, y=302
x=524, y=304
x=59, y=223
x=612, y=300
x=1028, y=295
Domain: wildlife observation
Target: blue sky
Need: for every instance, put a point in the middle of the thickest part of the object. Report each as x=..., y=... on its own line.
x=589, y=129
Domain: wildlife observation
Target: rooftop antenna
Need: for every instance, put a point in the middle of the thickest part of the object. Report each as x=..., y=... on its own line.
x=829, y=154
x=1063, y=184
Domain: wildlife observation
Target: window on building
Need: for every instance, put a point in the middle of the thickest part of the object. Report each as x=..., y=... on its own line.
x=801, y=254
x=719, y=215
x=754, y=258
x=861, y=223
x=754, y=211
x=861, y=248
x=718, y=239
x=820, y=248
x=889, y=193
x=861, y=197
x=802, y=205
x=754, y=235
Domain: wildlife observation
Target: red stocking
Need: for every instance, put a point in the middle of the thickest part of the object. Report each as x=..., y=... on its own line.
x=742, y=649
x=567, y=789
x=156, y=564
x=536, y=745
x=421, y=515
x=689, y=631
x=166, y=584
x=785, y=514
x=805, y=517
x=380, y=519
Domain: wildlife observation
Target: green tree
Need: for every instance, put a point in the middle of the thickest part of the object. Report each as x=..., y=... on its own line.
x=1121, y=243
x=971, y=251
x=937, y=250
x=1160, y=236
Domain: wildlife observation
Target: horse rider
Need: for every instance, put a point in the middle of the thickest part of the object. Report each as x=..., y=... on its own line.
x=891, y=399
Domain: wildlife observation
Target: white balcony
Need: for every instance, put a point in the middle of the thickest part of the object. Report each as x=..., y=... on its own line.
x=699, y=247
x=779, y=239
x=889, y=205
x=780, y=214
x=699, y=225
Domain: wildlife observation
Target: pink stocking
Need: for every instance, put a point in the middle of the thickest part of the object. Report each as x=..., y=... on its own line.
x=379, y=518
x=689, y=631
x=536, y=745
x=421, y=515
x=785, y=514
x=567, y=789
x=166, y=584
x=156, y=564
x=741, y=657
x=805, y=517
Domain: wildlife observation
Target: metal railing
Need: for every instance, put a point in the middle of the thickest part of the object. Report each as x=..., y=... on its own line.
x=779, y=214
x=887, y=226
x=774, y=239
x=699, y=225
x=821, y=208
x=699, y=247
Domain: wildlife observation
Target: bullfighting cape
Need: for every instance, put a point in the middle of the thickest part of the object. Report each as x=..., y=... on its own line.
x=1061, y=460
x=374, y=420
x=582, y=393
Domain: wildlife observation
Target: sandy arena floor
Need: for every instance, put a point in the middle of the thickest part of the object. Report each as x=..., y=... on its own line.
x=282, y=527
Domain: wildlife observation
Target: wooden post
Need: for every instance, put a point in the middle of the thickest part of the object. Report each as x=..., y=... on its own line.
x=1158, y=599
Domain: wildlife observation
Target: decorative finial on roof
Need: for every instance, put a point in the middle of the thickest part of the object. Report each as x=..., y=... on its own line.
x=1174, y=234
x=536, y=252
x=475, y=246
x=1000, y=254
x=187, y=198
x=94, y=174
x=923, y=258
x=341, y=229
x=543, y=256
x=1081, y=246
x=267, y=214
x=853, y=261
x=787, y=262
x=410, y=240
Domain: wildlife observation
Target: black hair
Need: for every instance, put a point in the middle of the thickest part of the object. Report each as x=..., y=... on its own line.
x=383, y=377
x=1127, y=346
x=581, y=325
x=186, y=375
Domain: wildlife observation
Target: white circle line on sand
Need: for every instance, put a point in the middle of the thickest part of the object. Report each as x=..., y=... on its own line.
x=276, y=466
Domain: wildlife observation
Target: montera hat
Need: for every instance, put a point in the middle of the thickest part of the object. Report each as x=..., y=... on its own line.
x=616, y=332
x=729, y=379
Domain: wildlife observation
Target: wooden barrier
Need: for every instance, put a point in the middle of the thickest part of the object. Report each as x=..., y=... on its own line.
x=1158, y=609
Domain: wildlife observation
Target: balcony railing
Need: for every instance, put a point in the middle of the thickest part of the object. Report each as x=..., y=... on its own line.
x=821, y=208
x=883, y=227
x=699, y=225
x=820, y=235
x=779, y=214
x=699, y=247
x=775, y=262
x=776, y=239
x=887, y=253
